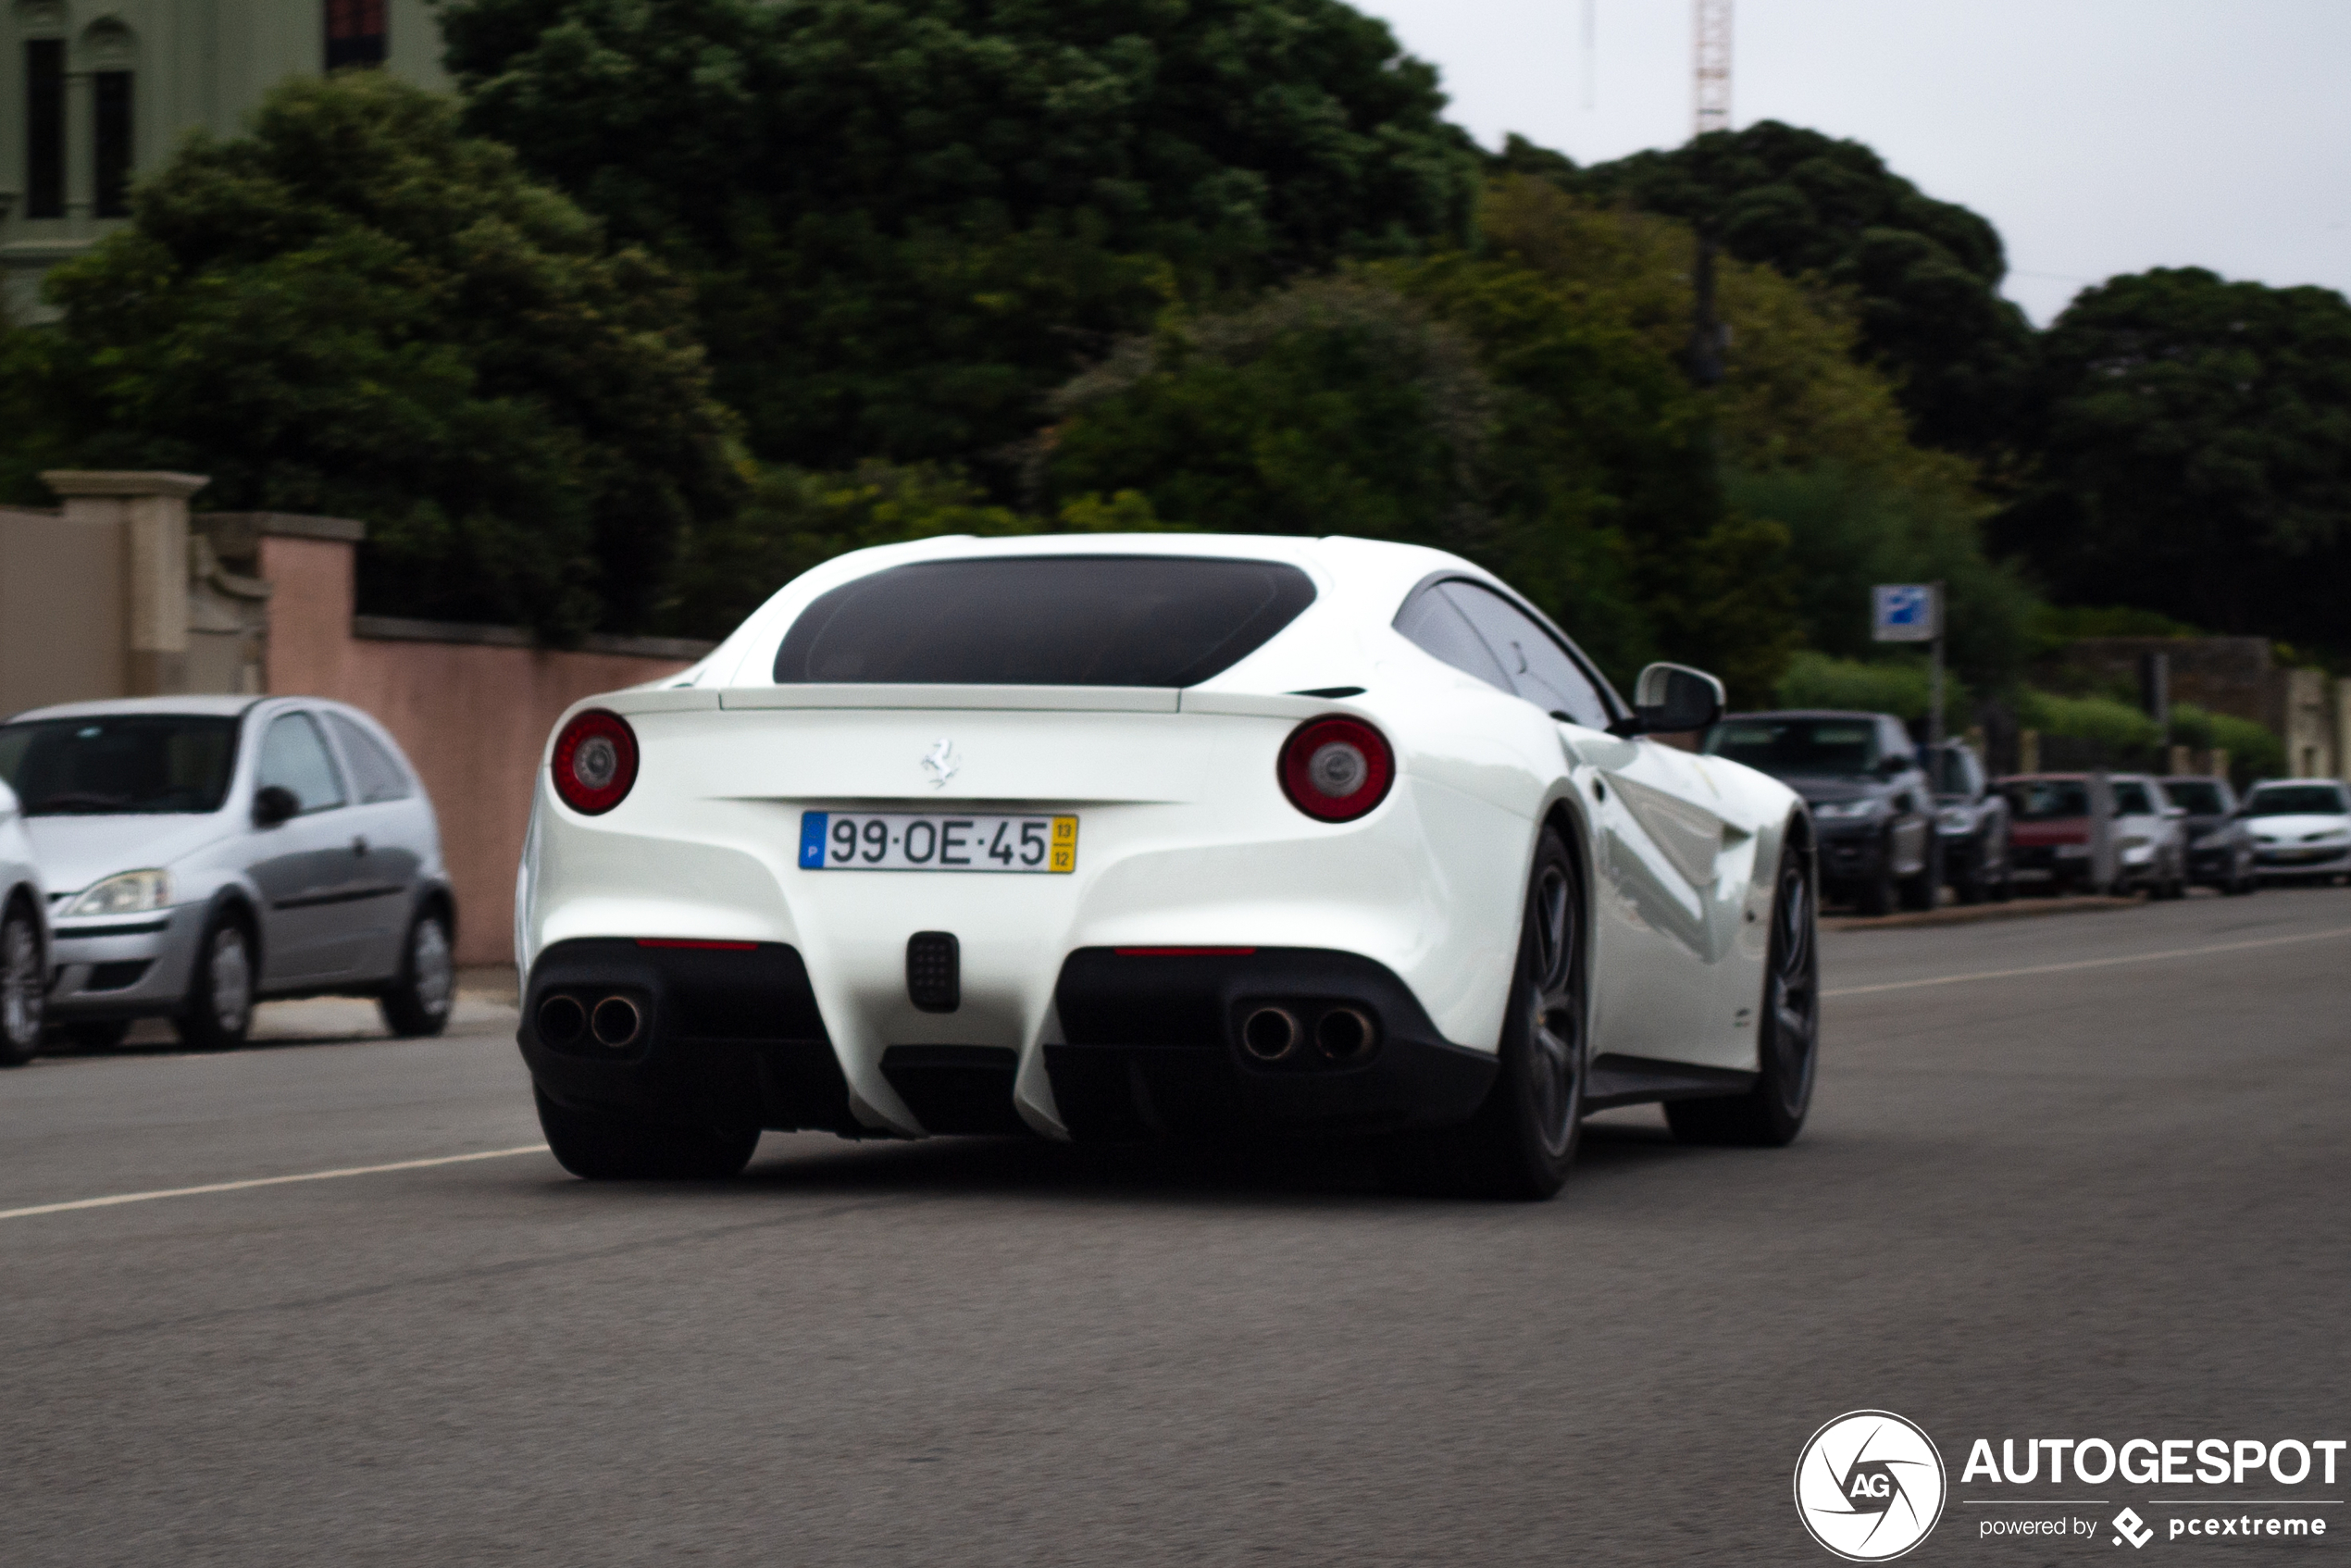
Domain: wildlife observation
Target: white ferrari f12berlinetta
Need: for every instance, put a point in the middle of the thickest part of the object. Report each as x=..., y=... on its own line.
x=1125, y=837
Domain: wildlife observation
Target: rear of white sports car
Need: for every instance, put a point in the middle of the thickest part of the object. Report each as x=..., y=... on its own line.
x=1093, y=840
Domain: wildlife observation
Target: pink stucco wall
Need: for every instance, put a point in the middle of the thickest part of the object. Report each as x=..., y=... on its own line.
x=473, y=719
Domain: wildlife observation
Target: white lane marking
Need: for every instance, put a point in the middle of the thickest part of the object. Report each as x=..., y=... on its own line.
x=267, y=1181
x=2083, y=964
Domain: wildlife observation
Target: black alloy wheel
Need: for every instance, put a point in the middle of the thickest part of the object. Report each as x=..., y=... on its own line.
x=606, y=1148
x=1771, y=1113
x=218, y=1011
x=1524, y=1137
x=24, y=994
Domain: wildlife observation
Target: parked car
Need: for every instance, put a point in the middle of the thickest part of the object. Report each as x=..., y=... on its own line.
x=1114, y=837
x=2301, y=829
x=1971, y=823
x=2049, y=830
x=205, y=853
x=2054, y=828
x=2150, y=841
x=2220, y=848
x=1870, y=797
x=24, y=938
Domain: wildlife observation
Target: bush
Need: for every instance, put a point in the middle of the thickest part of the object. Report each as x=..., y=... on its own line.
x=1901, y=686
x=2116, y=726
x=2254, y=752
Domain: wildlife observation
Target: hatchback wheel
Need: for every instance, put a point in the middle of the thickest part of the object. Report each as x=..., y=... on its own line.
x=24, y=993
x=219, y=1008
x=419, y=1001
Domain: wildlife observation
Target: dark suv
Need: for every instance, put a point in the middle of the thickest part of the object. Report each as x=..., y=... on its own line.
x=1872, y=807
x=2221, y=850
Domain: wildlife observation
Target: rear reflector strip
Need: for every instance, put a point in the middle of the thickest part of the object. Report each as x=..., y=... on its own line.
x=1183, y=952
x=702, y=946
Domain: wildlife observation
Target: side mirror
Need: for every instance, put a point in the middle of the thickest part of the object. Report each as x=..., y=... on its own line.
x=1893, y=764
x=1668, y=699
x=273, y=803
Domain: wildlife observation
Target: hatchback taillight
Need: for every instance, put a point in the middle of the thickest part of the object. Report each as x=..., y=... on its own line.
x=595, y=763
x=1335, y=769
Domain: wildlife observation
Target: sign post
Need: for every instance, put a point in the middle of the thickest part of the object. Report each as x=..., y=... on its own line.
x=1912, y=612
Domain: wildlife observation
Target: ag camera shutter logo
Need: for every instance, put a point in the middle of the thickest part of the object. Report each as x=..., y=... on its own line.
x=1870, y=1486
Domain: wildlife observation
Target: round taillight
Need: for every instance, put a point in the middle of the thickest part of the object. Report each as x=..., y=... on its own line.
x=1335, y=769
x=595, y=762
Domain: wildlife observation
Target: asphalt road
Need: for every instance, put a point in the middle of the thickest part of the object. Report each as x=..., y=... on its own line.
x=2091, y=1197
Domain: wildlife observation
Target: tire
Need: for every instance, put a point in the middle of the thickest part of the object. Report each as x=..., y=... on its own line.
x=1974, y=886
x=1878, y=893
x=1924, y=891
x=96, y=1034
x=1523, y=1138
x=219, y=1007
x=420, y=1001
x=1787, y=1044
x=24, y=992
x=601, y=1148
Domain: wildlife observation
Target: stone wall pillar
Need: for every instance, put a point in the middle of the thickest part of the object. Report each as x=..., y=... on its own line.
x=152, y=510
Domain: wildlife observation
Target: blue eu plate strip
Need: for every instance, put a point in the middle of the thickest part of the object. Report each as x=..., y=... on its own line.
x=811, y=839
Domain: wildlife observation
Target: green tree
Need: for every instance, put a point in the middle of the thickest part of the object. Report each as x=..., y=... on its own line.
x=909, y=220
x=356, y=310
x=1924, y=274
x=2196, y=459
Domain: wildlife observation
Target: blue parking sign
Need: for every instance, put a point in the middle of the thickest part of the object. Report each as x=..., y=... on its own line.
x=1906, y=611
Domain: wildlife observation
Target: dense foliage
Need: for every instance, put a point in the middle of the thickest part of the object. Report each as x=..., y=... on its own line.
x=1926, y=274
x=357, y=311
x=2197, y=458
x=910, y=219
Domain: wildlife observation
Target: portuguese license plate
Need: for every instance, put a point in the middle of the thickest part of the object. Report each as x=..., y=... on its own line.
x=847, y=841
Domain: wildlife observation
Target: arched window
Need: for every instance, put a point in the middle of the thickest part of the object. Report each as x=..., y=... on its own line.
x=42, y=25
x=112, y=53
x=356, y=33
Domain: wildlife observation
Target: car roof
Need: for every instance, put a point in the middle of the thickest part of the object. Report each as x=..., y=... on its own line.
x=1810, y=713
x=211, y=707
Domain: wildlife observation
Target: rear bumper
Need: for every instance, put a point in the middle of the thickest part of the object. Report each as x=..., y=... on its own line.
x=1154, y=1047
x=731, y=1035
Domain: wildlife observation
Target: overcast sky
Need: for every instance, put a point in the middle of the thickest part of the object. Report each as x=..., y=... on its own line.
x=2099, y=136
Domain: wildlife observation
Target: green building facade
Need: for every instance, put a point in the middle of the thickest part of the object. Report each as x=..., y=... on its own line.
x=95, y=92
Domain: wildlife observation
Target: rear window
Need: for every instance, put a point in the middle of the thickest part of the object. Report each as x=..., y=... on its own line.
x=1044, y=620
x=2047, y=800
x=2131, y=799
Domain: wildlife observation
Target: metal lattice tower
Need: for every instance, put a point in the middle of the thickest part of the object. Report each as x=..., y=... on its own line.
x=1713, y=39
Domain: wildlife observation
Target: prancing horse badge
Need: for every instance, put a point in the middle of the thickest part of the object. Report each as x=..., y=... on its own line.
x=943, y=762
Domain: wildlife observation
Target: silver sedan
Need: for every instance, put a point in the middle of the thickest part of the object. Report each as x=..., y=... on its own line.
x=205, y=853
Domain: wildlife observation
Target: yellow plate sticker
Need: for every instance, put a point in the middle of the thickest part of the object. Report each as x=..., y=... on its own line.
x=1064, y=855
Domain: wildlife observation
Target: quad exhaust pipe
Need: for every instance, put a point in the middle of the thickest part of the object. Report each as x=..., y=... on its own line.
x=565, y=1020
x=1340, y=1034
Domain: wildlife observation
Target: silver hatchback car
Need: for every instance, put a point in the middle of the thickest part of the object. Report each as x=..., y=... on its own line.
x=202, y=854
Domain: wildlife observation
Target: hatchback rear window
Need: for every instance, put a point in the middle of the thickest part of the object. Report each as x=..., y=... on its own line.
x=1044, y=620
